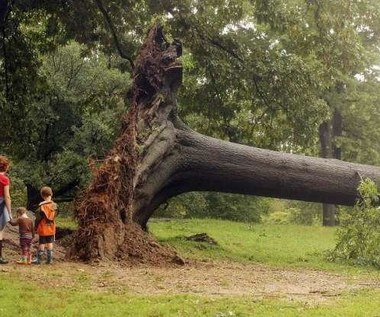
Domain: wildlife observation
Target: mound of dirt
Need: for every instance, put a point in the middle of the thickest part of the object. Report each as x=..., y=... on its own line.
x=139, y=248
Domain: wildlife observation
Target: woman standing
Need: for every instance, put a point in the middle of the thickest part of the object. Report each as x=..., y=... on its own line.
x=5, y=202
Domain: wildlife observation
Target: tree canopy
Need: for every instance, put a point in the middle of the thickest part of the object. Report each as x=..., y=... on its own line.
x=263, y=73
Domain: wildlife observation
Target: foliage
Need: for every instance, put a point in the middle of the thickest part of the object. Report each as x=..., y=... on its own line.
x=18, y=193
x=304, y=213
x=359, y=141
x=215, y=205
x=278, y=217
x=296, y=212
x=243, y=86
x=358, y=237
x=182, y=206
x=256, y=72
x=75, y=118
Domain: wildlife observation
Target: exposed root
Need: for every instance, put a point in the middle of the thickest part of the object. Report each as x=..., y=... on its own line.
x=104, y=211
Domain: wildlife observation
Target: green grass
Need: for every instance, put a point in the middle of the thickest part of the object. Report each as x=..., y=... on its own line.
x=64, y=221
x=278, y=245
x=19, y=299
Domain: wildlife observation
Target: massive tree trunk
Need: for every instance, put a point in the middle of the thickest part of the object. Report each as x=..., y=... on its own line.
x=157, y=156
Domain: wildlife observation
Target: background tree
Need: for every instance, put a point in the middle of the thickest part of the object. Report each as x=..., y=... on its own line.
x=343, y=37
x=256, y=72
x=74, y=120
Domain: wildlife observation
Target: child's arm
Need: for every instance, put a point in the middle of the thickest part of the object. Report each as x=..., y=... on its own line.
x=14, y=222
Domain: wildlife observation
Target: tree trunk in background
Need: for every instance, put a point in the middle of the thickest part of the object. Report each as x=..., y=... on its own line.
x=157, y=157
x=328, y=210
x=33, y=197
x=337, y=127
x=328, y=132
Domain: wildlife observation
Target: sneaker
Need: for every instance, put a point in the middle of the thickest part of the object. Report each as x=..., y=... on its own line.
x=49, y=259
x=36, y=261
x=3, y=261
x=23, y=261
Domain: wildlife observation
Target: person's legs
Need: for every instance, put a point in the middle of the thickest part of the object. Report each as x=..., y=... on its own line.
x=49, y=251
x=23, y=258
x=40, y=252
x=2, y=260
x=1, y=243
x=4, y=218
x=28, y=252
x=25, y=244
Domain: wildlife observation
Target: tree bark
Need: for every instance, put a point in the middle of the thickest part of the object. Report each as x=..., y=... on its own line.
x=157, y=157
x=33, y=197
x=201, y=163
x=325, y=140
x=328, y=132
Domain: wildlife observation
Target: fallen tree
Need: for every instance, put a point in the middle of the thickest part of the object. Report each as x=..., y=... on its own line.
x=157, y=157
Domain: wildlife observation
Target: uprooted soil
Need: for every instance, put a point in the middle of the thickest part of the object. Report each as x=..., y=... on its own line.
x=207, y=278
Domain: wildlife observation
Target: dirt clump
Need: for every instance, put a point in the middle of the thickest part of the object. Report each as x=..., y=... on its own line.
x=202, y=237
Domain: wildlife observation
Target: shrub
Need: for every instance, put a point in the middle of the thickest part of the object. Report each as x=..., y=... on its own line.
x=298, y=212
x=303, y=213
x=278, y=217
x=215, y=205
x=18, y=193
x=358, y=238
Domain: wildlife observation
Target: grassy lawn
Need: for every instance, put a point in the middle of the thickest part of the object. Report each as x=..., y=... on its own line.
x=275, y=245
x=18, y=299
x=279, y=245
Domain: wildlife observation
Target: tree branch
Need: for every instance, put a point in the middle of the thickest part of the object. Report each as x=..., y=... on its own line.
x=5, y=9
x=112, y=28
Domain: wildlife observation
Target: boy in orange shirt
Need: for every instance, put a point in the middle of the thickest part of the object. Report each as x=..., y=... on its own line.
x=45, y=225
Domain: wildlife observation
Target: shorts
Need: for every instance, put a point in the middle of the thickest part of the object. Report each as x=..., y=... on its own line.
x=4, y=214
x=45, y=239
x=25, y=243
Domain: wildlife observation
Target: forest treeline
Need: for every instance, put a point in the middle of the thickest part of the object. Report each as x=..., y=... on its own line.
x=297, y=76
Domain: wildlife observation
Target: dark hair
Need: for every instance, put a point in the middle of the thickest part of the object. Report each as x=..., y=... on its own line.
x=4, y=163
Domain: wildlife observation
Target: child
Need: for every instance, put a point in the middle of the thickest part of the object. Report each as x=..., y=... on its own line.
x=26, y=231
x=45, y=225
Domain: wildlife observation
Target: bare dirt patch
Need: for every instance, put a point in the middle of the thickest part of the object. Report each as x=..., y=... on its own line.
x=198, y=278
